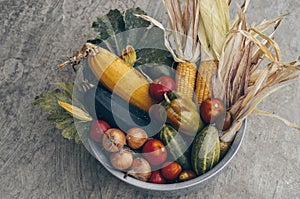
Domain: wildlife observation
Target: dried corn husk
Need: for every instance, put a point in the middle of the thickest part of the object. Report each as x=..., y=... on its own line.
x=242, y=81
x=214, y=26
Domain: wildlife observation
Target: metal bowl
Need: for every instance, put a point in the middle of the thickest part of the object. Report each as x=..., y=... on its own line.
x=179, y=188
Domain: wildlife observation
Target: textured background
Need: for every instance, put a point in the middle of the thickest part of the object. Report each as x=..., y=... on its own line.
x=36, y=162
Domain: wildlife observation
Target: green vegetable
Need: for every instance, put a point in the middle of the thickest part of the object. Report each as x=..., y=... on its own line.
x=176, y=146
x=205, y=150
x=182, y=113
x=99, y=101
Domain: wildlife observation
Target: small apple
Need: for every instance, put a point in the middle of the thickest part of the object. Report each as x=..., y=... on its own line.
x=223, y=122
x=97, y=130
x=171, y=170
x=160, y=86
x=157, y=178
x=187, y=175
x=155, y=152
x=211, y=108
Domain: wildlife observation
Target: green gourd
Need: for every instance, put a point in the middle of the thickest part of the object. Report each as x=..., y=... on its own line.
x=205, y=150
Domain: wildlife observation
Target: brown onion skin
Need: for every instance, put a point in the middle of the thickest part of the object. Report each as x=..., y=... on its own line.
x=136, y=138
x=121, y=160
x=113, y=140
x=140, y=169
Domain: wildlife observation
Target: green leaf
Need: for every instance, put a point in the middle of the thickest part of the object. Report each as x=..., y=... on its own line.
x=157, y=56
x=83, y=129
x=131, y=21
x=64, y=124
x=108, y=25
x=69, y=132
x=151, y=40
x=48, y=102
x=67, y=87
x=77, y=138
x=62, y=97
x=58, y=117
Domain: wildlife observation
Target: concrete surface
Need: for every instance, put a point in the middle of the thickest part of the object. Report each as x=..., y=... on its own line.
x=36, y=162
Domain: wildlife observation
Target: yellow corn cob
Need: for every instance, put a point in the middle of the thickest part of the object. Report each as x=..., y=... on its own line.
x=117, y=75
x=185, y=78
x=204, y=80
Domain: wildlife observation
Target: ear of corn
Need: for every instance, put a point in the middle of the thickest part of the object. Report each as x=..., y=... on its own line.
x=185, y=78
x=204, y=80
x=121, y=78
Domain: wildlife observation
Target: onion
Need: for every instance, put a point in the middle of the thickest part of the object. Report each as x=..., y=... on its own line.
x=136, y=138
x=113, y=140
x=140, y=169
x=121, y=160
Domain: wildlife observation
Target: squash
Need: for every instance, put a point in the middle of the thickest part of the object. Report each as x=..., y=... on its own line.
x=205, y=150
x=176, y=146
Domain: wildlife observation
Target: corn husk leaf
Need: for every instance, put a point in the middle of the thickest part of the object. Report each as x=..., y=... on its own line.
x=242, y=82
x=214, y=26
x=78, y=113
x=265, y=113
x=264, y=26
x=240, y=111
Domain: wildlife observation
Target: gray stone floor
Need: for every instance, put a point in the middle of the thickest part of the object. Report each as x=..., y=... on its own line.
x=36, y=162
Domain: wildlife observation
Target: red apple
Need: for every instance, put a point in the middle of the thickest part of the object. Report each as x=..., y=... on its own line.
x=187, y=175
x=224, y=121
x=171, y=170
x=160, y=86
x=211, y=108
x=97, y=130
x=155, y=152
x=157, y=178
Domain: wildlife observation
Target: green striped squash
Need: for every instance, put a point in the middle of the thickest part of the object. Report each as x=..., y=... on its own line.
x=176, y=146
x=205, y=150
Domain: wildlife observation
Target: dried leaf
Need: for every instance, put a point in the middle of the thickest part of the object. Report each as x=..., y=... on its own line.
x=263, y=48
x=288, y=123
x=270, y=41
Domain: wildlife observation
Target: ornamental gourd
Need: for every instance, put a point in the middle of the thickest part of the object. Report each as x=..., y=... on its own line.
x=205, y=150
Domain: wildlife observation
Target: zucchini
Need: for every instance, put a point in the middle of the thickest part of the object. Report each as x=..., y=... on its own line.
x=176, y=146
x=99, y=102
x=205, y=150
